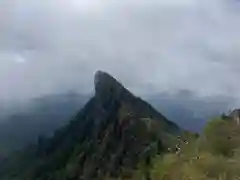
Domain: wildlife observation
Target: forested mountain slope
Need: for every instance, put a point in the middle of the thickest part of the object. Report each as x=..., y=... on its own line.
x=107, y=138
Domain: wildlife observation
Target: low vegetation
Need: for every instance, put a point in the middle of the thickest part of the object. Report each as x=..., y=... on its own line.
x=215, y=155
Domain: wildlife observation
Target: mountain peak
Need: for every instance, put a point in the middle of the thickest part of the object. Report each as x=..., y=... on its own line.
x=106, y=85
x=101, y=77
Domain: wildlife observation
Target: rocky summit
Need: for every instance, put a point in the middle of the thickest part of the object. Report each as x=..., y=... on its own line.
x=109, y=137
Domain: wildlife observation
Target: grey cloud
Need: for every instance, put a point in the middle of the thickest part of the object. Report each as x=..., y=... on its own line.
x=151, y=46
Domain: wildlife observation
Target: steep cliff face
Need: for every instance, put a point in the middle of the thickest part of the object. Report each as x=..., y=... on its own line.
x=113, y=132
x=235, y=115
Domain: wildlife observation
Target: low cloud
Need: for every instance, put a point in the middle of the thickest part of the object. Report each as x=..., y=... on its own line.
x=151, y=46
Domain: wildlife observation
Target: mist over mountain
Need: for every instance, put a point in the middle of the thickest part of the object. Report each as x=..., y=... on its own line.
x=182, y=57
x=151, y=46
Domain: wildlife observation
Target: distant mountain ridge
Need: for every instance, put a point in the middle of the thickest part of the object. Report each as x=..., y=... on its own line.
x=189, y=111
x=40, y=116
x=113, y=132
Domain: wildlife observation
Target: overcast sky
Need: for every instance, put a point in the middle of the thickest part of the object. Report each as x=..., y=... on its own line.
x=151, y=46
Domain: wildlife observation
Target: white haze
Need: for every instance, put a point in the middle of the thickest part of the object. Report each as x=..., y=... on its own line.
x=152, y=46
